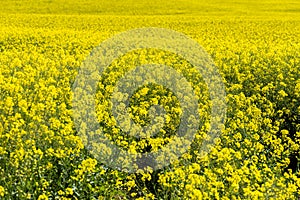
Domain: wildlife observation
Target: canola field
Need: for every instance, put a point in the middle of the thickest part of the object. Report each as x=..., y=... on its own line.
x=255, y=46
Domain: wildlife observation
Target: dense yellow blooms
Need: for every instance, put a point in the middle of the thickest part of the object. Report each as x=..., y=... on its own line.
x=42, y=155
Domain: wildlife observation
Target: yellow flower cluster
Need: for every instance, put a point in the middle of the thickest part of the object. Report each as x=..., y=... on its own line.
x=2, y=191
x=43, y=155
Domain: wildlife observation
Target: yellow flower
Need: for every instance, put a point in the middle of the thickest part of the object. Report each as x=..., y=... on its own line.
x=69, y=191
x=43, y=197
x=2, y=191
x=133, y=194
x=144, y=91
